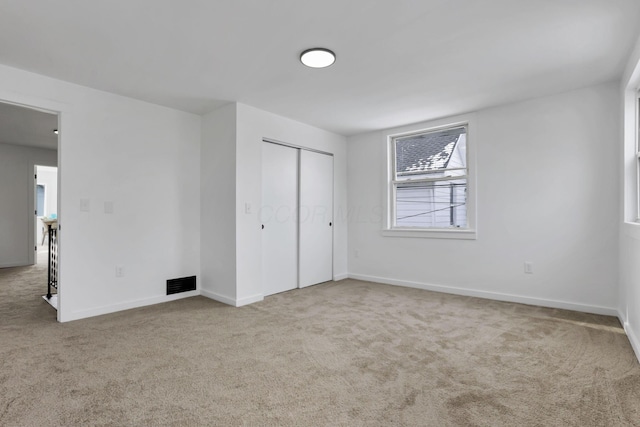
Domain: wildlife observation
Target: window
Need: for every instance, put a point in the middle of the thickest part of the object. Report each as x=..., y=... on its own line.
x=637, y=150
x=40, y=200
x=429, y=191
x=631, y=154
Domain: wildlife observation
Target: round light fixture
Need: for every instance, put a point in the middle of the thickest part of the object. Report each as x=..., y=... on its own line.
x=317, y=57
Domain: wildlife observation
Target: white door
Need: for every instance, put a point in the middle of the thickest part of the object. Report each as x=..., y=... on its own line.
x=316, y=218
x=279, y=218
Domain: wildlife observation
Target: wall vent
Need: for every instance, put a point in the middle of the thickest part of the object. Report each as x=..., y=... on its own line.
x=183, y=284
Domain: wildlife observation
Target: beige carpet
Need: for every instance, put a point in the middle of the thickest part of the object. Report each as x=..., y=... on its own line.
x=339, y=354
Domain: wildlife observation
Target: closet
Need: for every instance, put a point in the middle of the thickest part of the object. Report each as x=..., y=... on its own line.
x=297, y=217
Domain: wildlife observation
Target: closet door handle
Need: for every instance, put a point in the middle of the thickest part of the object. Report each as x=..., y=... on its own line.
x=263, y=226
x=329, y=224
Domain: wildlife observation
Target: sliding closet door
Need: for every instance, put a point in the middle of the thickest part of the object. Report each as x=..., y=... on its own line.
x=316, y=218
x=279, y=218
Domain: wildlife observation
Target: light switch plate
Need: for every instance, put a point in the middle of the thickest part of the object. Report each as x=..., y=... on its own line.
x=85, y=205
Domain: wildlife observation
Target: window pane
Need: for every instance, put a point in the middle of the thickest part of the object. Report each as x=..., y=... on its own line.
x=431, y=153
x=440, y=204
x=40, y=200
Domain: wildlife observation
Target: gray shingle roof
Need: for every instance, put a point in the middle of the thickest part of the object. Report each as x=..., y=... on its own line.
x=427, y=151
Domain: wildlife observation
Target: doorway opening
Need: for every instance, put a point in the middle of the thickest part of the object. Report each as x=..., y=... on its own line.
x=29, y=189
x=46, y=203
x=296, y=216
x=46, y=180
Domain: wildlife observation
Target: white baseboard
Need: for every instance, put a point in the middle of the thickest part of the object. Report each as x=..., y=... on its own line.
x=338, y=277
x=98, y=311
x=232, y=301
x=490, y=295
x=249, y=300
x=621, y=317
x=633, y=339
x=217, y=297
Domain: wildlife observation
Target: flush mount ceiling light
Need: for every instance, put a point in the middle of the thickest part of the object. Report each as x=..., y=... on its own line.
x=317, y=57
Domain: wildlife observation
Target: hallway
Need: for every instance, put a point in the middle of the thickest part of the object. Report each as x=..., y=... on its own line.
x=21, y=291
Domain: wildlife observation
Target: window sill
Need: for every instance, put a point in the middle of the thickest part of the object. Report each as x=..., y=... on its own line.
x=431, y=234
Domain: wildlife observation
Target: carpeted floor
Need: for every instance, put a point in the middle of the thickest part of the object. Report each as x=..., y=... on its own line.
x=338, y=354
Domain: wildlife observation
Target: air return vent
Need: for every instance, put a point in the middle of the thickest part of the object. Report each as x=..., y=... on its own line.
x=183, y=284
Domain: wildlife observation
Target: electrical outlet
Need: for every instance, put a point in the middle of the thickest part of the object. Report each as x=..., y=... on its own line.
x=528, y=267
x=119, y=271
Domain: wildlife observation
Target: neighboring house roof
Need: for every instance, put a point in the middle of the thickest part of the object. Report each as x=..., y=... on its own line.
x=430, y=151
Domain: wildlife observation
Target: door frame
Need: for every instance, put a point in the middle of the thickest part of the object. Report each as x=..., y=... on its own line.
x=300, y=147
x=63, y=111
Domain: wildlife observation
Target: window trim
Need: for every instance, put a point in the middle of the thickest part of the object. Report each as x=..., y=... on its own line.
x=468, y=233
x=637, y=153
x=630, y=170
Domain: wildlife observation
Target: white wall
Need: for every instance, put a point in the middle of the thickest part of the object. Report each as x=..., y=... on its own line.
x=546, y=193
x=252, y=126
x=231, y=171
x=17, y=201
x=629, y=295
x=630, y=284
x=218, y=205
x=142, y=157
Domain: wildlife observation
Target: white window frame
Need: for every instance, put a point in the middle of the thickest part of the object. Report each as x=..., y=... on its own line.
x=468, y=233
x=630, y=172
x=637, y=154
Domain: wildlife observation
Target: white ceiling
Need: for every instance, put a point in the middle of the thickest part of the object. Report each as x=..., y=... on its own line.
x=23, y=126
x=399, y=61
